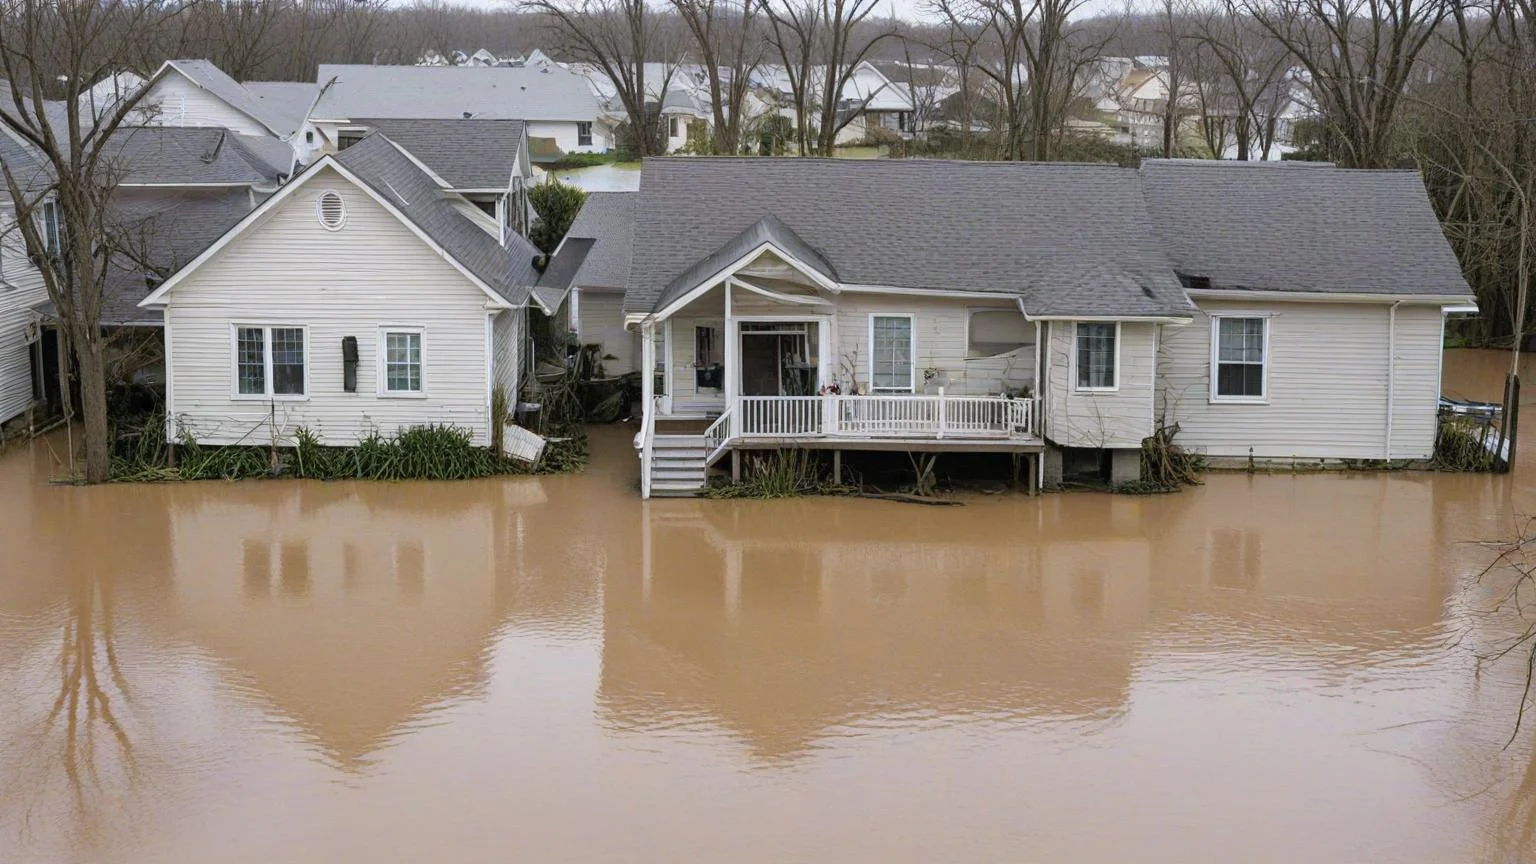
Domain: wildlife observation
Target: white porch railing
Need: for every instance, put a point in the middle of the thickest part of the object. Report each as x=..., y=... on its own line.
x=717, y=437
x=879, y=416
x=645, y=442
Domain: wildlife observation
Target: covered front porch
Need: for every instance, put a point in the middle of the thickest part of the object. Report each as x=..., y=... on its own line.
x=768, y=359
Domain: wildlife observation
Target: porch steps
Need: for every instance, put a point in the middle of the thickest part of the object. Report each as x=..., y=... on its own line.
x=677, y=465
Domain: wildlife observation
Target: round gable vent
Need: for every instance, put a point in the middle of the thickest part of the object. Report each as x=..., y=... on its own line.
x=332, y=211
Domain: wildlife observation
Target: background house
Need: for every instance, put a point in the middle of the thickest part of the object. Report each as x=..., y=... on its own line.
x=588, y=273
x=555, y=103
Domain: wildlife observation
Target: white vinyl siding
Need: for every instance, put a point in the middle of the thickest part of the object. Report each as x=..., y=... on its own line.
x=602, y=323
x=1326, y=392
x=939, y=324
x=176, y=101
x=1116, y=418
x=21, y=287
x=372, y=274
x=508, y=338
x=687, y=396
x=565, y=134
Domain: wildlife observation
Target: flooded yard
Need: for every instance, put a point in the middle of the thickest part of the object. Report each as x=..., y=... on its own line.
x=1265, y=668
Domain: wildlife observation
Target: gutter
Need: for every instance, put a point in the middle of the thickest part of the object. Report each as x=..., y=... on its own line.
x=1391, y=374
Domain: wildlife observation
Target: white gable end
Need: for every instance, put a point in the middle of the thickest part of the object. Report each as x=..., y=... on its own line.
x=369, y=275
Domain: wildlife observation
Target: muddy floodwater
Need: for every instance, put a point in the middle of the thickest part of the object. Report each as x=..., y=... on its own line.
x=1269, y=668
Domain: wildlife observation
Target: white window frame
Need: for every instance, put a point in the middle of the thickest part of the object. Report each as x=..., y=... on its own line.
x=971, y=311
x=234, y=362
x=579, y=136
x=911, y=354
x=360, y=131
x=1072, y=370
x=381, y=365
x=1263, y=397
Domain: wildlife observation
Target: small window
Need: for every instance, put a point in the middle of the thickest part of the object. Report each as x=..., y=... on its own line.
x=53, y=231
x=1098, y=348
x=402, y=361
x=309, y=136
x=993, y=332
x=270, y=361
x=332, y=210
x=1240, y=348
x=347, y=137
x=583, y=134
x=892, y=352
x=706, y=346
x=674, y=127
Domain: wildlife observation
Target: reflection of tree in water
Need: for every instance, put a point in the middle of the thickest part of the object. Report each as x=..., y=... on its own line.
x=79, y=735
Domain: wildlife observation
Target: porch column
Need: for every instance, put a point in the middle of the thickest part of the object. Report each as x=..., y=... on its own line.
x=824, y=378
x=647, y=365
x=732, y=346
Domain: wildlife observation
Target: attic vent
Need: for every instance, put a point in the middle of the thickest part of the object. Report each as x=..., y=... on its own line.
x=332, y=212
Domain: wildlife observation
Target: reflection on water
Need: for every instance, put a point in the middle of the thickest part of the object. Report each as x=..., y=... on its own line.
x=1266, y=668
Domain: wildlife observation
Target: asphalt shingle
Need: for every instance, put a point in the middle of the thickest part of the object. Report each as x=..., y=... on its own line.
x=188, y=156
x=452, y=92
x=1300, y=227
x=609, y=219
x=1069, y=239
x=469, y=154
x=508, y=270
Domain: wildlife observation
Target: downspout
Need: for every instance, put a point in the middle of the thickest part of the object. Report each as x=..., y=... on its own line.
x=1391, y=374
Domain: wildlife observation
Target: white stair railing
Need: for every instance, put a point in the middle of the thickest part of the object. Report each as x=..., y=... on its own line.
x=717, y=438
x=647, y=444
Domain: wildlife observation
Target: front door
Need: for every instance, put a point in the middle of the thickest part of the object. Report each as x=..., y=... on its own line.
x=760, y=365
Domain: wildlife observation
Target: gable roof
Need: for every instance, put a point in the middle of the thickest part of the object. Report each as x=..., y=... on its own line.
x=395, y=181
x=765, y=231
x=1068, y=239
x=508, y=270
x=188, y=156
x=210, y=77
x=468, y=154
x=451, y=92
x=1293, y=226
x=560, y=275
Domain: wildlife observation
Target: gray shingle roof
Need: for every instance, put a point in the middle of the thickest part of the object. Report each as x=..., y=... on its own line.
x=189, y=156
x=287, y=103
x=1069, y=239
x=609, y=219
x=1300, y=227
x=164, y=229
x=469, y=154
x=508, y=270
x=449, y=92
x=210, y=77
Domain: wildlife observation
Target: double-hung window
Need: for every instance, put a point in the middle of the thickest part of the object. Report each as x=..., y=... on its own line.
x=892, y=349
x=53, y=231
x=1098, y=355
x=270, y=361
x=583, y=134
x=401, y=362
x=1239, y=357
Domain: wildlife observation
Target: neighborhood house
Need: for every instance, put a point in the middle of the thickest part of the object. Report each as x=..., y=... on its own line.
x=1274, y=311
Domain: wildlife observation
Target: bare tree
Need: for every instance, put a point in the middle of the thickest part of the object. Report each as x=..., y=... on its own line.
x=725, y=34
x=820, y=45
x=62, y=208
x=1360, y=58
x=1247, y=69
x=616, y=38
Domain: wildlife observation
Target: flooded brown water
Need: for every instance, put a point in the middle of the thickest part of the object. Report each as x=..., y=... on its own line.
x=1267, y=668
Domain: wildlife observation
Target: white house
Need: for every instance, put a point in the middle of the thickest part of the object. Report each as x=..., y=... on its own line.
x=198, y=93
x=556, y=104
x=588, y=273
x=1064, y=311
x=362, y=296
x=26, y=360
x=872, y=98
x=685, y=98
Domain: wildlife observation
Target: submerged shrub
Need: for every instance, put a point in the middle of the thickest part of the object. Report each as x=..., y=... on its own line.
x=416, y=453
x=1461, y=444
